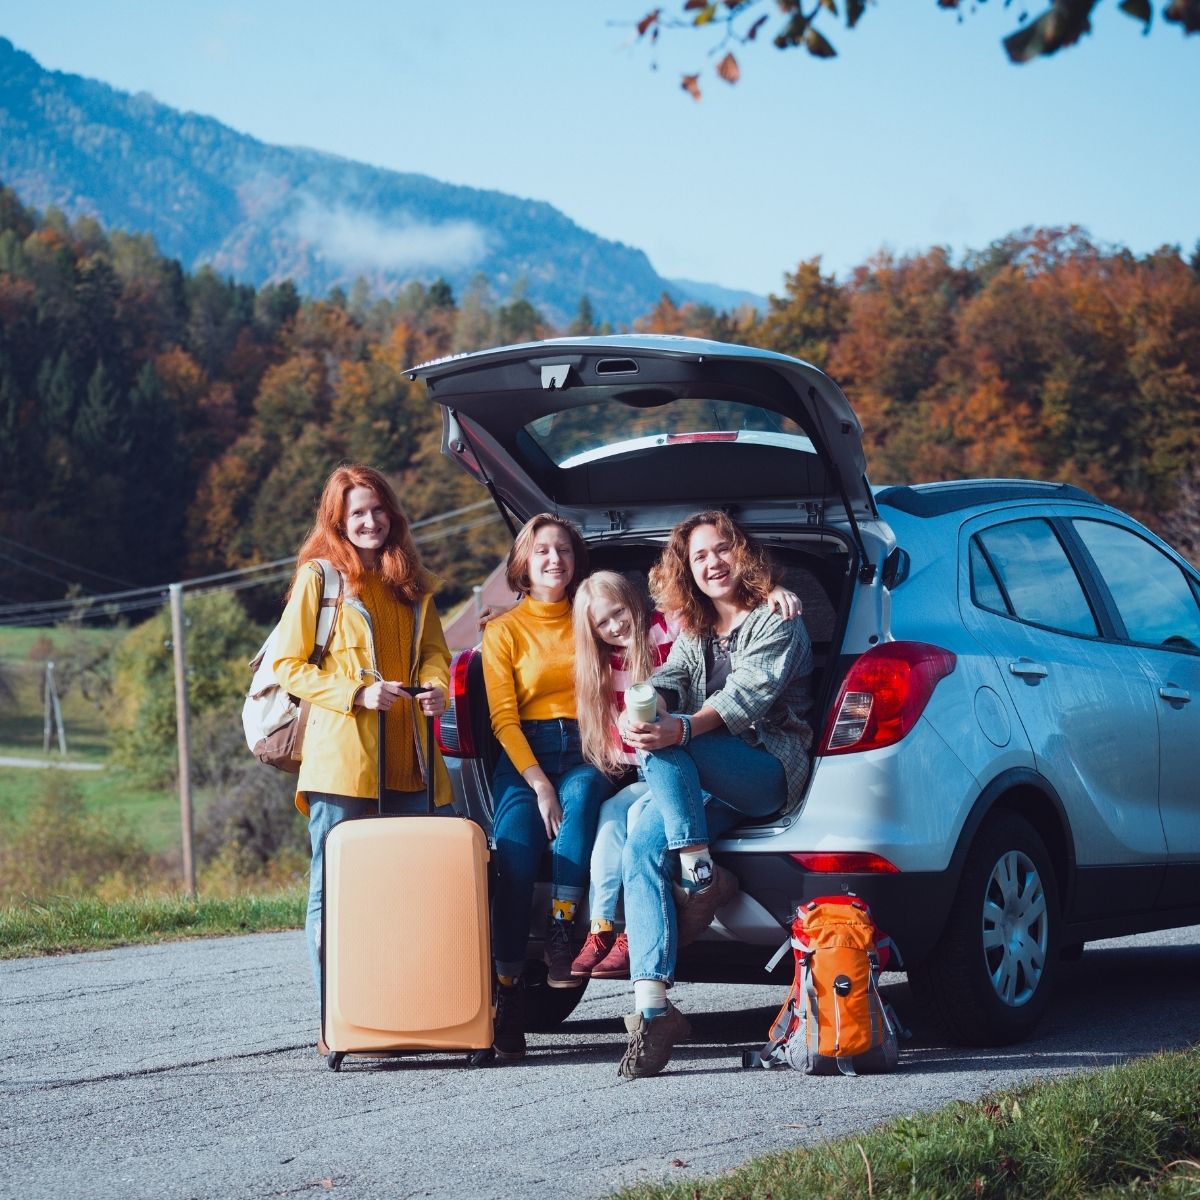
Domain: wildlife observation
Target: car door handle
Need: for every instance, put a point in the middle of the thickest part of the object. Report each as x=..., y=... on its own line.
x=1175, y=694
x=1025, y=666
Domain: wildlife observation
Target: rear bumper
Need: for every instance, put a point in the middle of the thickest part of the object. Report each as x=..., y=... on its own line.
x=911, y=907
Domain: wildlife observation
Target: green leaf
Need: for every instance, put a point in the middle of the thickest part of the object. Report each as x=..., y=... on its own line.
x=816, y=45
x=706, y=15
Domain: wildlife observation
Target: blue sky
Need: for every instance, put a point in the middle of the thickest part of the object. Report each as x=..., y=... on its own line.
x=919, y=133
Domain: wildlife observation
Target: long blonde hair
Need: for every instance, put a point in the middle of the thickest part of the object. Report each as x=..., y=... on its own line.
x=594, y=700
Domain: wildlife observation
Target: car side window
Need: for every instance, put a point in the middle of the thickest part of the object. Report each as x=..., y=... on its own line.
x=1037, y=577
x=1153, y=596
x=985, y=591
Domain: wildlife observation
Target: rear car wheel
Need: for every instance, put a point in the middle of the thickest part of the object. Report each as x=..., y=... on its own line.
x=546, y=1008
x=989, y=978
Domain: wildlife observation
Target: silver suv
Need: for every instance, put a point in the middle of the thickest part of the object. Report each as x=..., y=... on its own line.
x=1007, y=752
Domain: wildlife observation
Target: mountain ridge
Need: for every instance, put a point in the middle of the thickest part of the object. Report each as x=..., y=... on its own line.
x=261, y=213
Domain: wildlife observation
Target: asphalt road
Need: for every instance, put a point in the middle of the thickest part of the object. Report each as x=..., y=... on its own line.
x=189, y=1070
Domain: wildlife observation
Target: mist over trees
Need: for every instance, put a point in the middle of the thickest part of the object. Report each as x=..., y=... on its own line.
x=159, y=425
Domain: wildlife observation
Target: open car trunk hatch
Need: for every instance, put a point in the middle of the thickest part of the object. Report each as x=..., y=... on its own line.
x=629, y=434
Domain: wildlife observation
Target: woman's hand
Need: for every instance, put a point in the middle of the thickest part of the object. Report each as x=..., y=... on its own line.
x=378, y=696
x=549, y=807
x=490, y=612
x=432, y=701
x=652, y=735
x=787, y=604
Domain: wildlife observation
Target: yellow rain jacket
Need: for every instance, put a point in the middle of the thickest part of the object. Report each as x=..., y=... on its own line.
x=341, y=742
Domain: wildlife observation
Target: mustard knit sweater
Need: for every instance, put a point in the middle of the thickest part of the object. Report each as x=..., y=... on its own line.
x=392, y=623
x=529, y=669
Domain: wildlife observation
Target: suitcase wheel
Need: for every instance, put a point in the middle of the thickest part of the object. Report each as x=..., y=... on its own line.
x=481, y=1058
x=333, y=1060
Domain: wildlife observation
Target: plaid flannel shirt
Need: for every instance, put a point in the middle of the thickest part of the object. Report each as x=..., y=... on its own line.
x=768, y=695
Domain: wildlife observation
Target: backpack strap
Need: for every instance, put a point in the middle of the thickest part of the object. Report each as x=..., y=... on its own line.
x=332, y=587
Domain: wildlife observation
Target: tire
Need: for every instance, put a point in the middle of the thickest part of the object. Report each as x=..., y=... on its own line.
x=546, y=1008
x=990, y=976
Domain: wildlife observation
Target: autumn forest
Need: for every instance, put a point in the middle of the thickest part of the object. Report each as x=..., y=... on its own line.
x=157, y=425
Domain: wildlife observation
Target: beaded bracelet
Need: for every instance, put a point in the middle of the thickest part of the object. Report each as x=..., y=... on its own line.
x=686, y=723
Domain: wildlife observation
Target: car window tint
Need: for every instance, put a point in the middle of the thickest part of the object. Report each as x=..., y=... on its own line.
x=1151, y=593
x=1037, y=576
x=985, y=591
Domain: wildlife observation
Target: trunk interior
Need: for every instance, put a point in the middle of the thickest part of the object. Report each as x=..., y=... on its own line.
x=818, y=566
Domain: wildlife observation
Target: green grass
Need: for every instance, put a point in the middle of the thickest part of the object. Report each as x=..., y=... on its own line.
x=18, y=642
x=1129, y=1130
x=62, y=924
x=22, y=727
x=153, y=815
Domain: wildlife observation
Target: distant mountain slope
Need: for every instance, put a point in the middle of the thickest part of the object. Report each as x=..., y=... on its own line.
x=265, y=213
x=718, y=297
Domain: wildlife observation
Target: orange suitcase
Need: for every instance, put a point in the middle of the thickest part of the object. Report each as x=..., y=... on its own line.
x=406, y=948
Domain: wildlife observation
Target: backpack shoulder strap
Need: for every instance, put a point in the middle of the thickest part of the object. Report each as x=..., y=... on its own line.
x=332, y=588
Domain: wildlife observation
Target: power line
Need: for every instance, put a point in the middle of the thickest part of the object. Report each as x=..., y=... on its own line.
x=113, y=604
x=62, y=562
x=24, y=566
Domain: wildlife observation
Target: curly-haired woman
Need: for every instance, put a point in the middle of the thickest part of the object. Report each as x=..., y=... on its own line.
x=737, y=687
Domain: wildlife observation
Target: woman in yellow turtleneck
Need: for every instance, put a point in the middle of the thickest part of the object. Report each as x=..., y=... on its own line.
x=544, y=790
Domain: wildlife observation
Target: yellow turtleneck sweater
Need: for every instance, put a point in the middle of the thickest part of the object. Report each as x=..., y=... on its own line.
x=529, y=669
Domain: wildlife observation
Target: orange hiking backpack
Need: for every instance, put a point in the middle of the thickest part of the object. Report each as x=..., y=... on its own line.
x=834, y=1018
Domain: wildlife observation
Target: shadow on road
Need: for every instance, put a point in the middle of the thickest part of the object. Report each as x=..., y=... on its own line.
x=1114, y=1003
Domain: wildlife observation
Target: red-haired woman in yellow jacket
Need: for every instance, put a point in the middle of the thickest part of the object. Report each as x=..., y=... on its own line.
x=386, y=634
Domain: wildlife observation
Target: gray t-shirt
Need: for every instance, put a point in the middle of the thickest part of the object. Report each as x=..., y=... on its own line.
x=717, y=651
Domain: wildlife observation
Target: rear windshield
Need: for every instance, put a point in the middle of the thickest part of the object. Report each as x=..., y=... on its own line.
x=594, y=431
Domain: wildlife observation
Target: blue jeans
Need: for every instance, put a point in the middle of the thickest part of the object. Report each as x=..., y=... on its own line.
x=520, y=836
x=618, y=815
x=747, y=781
x=326, y=810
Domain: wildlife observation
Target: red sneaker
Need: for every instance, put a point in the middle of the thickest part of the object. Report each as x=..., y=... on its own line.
x=595, y=949
x=616, y=963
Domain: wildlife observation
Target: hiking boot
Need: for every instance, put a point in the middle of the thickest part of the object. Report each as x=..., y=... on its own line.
x=560, y=956
x=651, y=1042
x=594, y=951
x=508, y=1025
x=615, y=964
x=698, y=909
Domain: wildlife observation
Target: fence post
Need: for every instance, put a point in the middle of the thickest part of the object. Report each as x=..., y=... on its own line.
x=182, y=735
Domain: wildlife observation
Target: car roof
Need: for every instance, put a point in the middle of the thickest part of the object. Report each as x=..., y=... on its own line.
x=955, y=495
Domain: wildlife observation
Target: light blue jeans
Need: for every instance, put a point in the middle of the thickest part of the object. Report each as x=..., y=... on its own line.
x=326, y=810
x=747, y=781
x=618, y=814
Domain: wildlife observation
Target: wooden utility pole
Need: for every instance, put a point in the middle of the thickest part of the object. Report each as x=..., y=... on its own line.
x=54, y=717
x=182, y=735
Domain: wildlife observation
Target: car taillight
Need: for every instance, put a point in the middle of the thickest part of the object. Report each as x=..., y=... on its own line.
x=884, y=693
x=854, y=862
x=453, y=728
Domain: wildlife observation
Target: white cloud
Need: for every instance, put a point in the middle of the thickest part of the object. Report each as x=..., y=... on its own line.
x=360, y=240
